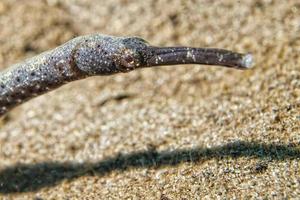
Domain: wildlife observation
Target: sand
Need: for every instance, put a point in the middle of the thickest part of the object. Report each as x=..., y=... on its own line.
x=193, y=132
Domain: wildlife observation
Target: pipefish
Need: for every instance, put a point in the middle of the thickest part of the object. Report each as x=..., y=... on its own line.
x=97, y=54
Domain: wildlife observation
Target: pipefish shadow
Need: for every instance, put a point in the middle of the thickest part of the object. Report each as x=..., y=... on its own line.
x=33, y=177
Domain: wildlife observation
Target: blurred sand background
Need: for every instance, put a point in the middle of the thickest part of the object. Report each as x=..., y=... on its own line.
x=194, y=132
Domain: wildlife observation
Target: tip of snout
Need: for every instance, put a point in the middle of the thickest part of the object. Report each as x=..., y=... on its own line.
x=247, y=61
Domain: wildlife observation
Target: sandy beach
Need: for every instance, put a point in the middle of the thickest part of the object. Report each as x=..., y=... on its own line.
x=173, y=132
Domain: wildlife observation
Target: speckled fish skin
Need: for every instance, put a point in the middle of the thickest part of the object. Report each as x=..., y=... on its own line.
x=81, y=57
x=98, y=55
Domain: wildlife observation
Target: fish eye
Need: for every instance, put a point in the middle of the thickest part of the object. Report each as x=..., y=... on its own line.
x=129, y=59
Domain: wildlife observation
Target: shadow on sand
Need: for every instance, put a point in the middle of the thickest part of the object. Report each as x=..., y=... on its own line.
x=32, y=177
